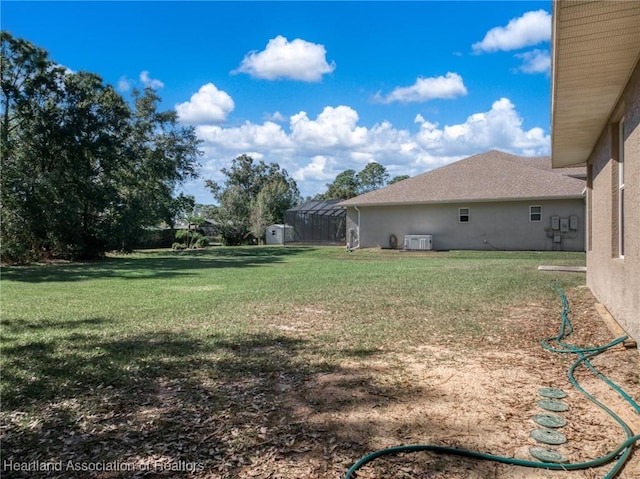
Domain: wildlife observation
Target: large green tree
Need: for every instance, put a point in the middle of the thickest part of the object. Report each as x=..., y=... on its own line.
x=345, y=186
x=269, y=206
x=26, y=77
x=372, y=177
x=82, y=171
x=396, y=179
x=254, y=195
x=349, y=183
x=160, y=155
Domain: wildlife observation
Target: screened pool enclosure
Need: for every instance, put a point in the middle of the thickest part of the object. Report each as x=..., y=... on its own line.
x=316, y=222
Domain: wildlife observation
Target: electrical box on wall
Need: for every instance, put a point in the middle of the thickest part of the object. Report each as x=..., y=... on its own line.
x=564, y=225
x=555, y=223
x=573, y=223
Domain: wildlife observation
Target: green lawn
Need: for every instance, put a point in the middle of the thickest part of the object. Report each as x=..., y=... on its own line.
x=107, y=356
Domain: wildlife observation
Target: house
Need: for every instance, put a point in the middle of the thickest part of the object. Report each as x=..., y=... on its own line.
x=489, y=201
x=595, y=111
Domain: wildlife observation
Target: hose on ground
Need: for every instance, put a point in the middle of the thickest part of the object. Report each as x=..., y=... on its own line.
x=620, y=454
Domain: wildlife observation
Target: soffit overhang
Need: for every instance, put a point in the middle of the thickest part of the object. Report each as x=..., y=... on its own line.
x=596, y=46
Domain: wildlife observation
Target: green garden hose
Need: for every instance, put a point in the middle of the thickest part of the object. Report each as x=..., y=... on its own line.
x=621, y=453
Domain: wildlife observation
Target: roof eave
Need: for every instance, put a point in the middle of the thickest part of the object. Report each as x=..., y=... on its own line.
x=468, y=200
x=596, y=46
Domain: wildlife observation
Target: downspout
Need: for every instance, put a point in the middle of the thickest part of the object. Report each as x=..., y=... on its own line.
x=358, y=228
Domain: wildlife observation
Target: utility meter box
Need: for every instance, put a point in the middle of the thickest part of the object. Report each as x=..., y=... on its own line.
x=573, y=223
x=564, y=225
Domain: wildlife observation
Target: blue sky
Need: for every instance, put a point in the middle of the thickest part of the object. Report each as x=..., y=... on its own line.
x=319, y=87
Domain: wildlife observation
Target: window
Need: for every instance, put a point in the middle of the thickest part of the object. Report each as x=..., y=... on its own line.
x=621, y=189
x=590, y=207
x=535, y=213
x=463, y=215
x=617, y=189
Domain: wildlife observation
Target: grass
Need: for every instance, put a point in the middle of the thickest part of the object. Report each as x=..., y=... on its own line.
x=67, y=324
x=88, y=350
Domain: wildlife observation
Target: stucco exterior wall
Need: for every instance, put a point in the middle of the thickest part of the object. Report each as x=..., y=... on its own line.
x=491, y=226
x=615, y=281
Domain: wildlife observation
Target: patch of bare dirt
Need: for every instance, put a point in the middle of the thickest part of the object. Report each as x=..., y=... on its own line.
x=476, y=397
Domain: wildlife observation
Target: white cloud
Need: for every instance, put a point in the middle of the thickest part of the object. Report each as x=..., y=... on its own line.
x=499, y=128
x=277, y=116
x=147, y=81
x=207, y=105
x=529, y=29
x=295, y=60
x=124, y=84
x=334, y=127
x=535, y=61
x=269, y=137
x=320, y=168
x=424, y=89
x=315, y=151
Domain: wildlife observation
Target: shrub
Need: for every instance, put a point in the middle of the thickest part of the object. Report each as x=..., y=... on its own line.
x=202, y=242
x=189, y=237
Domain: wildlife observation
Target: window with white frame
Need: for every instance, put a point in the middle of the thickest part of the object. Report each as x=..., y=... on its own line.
x=590, y=207
x=621, y=189
x=463, y=215
x=535, y=213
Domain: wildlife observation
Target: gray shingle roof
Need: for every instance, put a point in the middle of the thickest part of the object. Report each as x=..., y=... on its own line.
x=491, y=176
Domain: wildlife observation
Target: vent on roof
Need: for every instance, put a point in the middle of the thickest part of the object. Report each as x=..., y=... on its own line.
x=418, y=242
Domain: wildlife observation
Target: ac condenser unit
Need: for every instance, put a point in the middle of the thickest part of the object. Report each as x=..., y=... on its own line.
x=418, y=242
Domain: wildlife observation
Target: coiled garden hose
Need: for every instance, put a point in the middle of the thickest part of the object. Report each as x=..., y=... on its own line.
x=621, y=453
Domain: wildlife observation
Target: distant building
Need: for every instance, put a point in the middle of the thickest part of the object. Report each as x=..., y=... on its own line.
x=491, y=201
x=278, y=234
x=317, y=222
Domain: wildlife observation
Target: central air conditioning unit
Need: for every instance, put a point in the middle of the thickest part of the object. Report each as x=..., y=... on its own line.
x=418, y=242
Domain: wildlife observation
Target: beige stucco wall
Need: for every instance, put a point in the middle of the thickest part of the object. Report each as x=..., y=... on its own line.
x=616, y=281
x=492, y=225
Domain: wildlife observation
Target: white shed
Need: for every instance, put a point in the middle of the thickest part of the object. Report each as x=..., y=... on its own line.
x=274, y=234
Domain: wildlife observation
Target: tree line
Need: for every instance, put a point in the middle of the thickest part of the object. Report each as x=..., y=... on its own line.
x=253, y=196
x=84, y=171
x=349, y=184
x=256, y=195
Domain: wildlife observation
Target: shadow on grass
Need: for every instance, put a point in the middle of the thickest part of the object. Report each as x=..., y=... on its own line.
x=218, y=403
x=139, y=396
x=21, y=326
x=80, y=361
x=152, y=264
